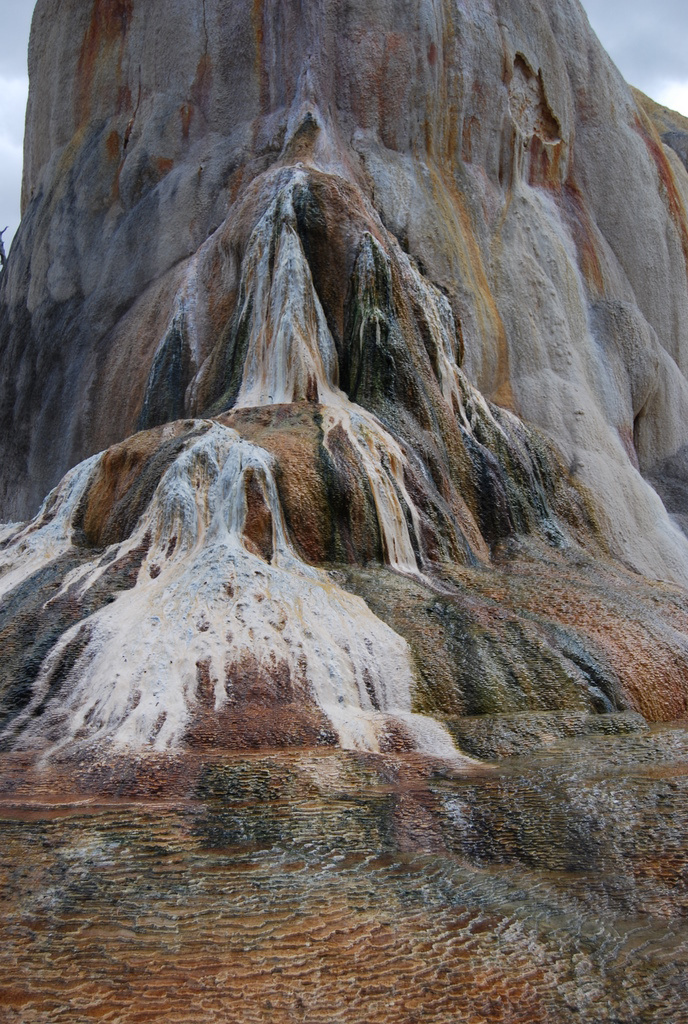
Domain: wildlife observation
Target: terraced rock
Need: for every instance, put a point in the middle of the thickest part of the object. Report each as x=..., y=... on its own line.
x=329, y=886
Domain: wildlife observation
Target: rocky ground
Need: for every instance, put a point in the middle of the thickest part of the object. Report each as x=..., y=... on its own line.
x=318, y=886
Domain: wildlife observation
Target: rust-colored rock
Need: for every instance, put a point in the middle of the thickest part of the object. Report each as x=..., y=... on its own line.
x=379, y=316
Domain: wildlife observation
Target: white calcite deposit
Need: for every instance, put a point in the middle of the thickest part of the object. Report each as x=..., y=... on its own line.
x=212, y=602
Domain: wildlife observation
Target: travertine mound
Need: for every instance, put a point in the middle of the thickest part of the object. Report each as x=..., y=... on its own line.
x=287, y=576
x=383, y=308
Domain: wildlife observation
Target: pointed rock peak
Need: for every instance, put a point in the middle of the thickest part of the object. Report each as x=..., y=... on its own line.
x=302, y=135
x=305, y=119
x=368, y=183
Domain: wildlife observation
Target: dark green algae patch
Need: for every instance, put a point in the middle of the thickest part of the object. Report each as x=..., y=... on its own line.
x=478, y=652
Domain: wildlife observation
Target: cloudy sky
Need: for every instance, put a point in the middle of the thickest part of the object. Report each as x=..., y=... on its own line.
x=648, y=41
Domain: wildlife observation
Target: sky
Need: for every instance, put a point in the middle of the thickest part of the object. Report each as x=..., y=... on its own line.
x=647, y=41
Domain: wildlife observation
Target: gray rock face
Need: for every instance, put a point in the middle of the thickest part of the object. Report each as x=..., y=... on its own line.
x=493, y=142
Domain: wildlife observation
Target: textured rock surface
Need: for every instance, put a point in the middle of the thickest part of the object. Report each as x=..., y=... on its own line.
x=341, y=887
x=494, y=142
x=286, y=576
x=353, y=339
x=381, y=315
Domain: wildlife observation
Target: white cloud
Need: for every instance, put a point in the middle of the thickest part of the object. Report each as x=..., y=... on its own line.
x=674, y=95
x=648, y=43
x=13, y=95
x=16, y=22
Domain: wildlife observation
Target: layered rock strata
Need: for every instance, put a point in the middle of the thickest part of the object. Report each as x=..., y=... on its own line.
x=380, y=313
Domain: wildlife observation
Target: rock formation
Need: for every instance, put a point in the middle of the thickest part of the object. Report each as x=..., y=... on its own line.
x=378, y=315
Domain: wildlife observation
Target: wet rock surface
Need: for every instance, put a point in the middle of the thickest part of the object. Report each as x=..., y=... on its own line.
x=395, y=383
x=281, y=577
x=499, y=736
x=324, y=886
